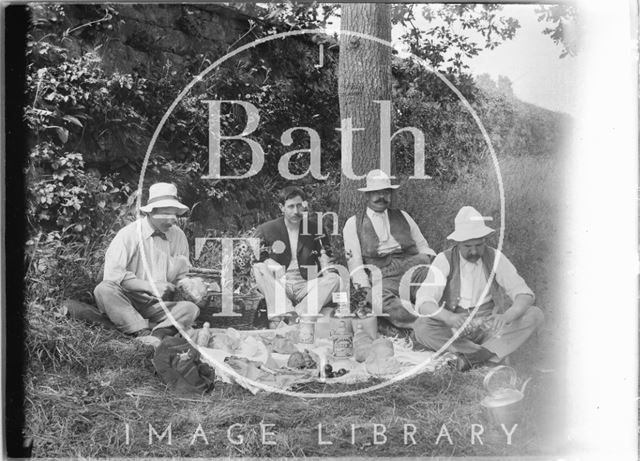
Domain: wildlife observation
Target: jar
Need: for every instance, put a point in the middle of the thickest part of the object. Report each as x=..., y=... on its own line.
x=306, y=330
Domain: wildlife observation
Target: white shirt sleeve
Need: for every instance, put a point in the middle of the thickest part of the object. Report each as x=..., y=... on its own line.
x=508, y=278
x=433, y=287
x=354, y=253
x=416, y=235
x=116, y=259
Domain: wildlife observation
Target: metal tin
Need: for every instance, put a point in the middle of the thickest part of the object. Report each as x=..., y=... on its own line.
x=504, y=402
x=306, y=332
x=342, y=341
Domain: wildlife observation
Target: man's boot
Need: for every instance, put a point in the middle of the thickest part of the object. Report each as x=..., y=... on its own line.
x=466, y=362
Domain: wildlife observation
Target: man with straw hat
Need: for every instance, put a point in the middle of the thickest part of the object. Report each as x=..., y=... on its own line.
x=390, y=240
x=126, y=293
x=456, y=283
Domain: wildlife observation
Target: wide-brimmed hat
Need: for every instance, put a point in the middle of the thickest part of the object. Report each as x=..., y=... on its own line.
x=469, y=225
x=377, y=180
x=162, y=195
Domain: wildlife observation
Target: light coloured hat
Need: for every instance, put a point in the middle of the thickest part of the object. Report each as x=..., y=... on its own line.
x=469, y=225
x=163, y=195
x=377, y=180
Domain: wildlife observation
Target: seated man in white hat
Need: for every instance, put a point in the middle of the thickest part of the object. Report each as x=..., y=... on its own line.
x=389, y=239
x=456, y=281
x=130, y=290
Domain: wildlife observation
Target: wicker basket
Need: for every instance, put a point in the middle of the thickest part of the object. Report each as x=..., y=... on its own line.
x=244, y=304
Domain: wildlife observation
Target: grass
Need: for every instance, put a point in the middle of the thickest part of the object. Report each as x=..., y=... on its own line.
x=531, y=189
x=83, y=390
x=84, y=384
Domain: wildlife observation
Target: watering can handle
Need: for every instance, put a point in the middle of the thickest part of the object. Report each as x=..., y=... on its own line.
x=487, y=378
x=524, y=385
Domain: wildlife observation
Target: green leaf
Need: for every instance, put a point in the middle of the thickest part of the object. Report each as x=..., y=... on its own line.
x=72, y=119
x=63, y=134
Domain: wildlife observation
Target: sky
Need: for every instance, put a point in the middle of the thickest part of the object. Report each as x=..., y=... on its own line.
x=530, y=60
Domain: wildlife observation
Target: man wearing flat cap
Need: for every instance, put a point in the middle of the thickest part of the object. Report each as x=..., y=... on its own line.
x=130, y=291
x=457, y=283
x=390, y=240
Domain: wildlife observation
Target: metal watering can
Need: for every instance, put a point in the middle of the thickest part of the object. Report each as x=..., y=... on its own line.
x=503, y=405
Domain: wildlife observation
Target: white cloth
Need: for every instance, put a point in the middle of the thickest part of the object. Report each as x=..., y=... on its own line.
x=248, y=344
x=472, y=281
x=354, y=252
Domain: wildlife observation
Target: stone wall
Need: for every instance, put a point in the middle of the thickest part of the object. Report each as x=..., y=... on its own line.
x=144, y=37
x=158, y=40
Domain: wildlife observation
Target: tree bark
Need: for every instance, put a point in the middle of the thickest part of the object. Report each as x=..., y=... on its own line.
x=364, y=76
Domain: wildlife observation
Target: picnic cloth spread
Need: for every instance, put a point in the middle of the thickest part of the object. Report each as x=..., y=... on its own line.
x=254, y=357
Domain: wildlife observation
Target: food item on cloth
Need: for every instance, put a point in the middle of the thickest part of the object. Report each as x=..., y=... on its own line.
x=296, y=360
x=301, y=360
x=382, y=366
x=249, y=347
x=381, y=348
x=283, y=346
x=361, y=345
x=245, y=367
x=203, y=336
x=224, y=342
x=330, y=373
x=192, y=289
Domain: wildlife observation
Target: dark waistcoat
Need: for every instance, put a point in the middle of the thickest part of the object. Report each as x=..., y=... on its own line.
x=369, y=242
x=451, y=295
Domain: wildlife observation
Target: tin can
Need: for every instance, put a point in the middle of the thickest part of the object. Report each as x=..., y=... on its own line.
x=307, y=330
x=342, y=341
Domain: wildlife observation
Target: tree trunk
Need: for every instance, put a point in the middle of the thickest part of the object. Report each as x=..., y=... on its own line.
x=364, y=76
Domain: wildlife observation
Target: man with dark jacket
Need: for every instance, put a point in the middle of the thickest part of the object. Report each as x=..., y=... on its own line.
x=292, y=254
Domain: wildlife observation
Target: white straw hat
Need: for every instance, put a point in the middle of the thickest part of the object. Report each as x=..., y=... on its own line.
x=377, y=180
x=469, y=225
x=162, y=195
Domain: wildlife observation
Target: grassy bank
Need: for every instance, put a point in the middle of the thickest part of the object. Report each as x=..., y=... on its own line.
x=84, y=385
x=532, y=192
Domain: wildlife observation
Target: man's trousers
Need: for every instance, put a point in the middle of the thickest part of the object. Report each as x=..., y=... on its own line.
x=133, y=311
x=292, y=292
x=398, y=290
x=434, y=334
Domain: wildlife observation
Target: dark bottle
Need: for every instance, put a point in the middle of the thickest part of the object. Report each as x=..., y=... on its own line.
x=261, y=320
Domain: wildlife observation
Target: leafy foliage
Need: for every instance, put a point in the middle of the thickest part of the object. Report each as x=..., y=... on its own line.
x=91, y=126
x=69, y=96
x=566, y=28
x=447, y=43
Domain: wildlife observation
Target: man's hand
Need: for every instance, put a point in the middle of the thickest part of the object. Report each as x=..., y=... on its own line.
x=499, y=321
x=324, y=260
x=455, y=321
x=164, y=288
